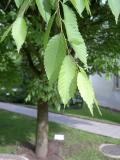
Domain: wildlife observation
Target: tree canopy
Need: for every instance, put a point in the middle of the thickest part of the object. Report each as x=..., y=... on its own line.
x=63, y=45
x=47, y=39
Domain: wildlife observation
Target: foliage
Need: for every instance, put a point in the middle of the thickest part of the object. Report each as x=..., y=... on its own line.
x=67, y=79
x=74, y=35
x=55, y=53
x=115, y=7
x=60, y=37
x=79, y=6
x=19, y=29
x=45, y=92
x=102, y=39
x=18, y=3
x=85, y=89
x=44, y=9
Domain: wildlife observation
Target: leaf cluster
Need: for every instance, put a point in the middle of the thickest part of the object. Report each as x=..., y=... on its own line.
x=61, y=51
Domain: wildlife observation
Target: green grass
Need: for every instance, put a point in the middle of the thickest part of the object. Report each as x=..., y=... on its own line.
x=108, y=115
x=16, y=129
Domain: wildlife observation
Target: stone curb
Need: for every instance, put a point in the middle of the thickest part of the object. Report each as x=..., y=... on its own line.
x=107, y=154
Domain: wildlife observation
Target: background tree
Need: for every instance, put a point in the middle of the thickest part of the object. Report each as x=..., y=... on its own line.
x=100, y=31
x=53, y=47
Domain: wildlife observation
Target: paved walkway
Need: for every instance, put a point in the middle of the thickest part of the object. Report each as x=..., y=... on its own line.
x=82, y=124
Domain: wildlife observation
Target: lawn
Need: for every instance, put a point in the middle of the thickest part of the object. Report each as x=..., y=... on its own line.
x=16, y=130
x=108, y=115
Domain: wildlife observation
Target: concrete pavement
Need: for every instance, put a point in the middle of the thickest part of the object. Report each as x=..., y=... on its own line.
x=82, y=124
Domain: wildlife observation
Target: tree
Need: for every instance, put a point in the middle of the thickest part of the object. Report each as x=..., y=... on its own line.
x=101, y=32
x=53, y=46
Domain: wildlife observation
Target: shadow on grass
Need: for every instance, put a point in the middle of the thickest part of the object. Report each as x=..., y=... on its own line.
x=15, y=128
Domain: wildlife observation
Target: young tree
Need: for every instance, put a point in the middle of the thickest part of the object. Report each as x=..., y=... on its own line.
x=54, y=47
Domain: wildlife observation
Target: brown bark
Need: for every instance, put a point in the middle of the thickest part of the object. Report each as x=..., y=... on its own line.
x=42, y=130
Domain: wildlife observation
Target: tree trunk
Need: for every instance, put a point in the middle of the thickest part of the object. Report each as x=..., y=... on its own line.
x=42, y=130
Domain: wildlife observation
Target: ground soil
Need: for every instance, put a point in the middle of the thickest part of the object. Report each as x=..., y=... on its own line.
x=56, y=151
x=54, y=148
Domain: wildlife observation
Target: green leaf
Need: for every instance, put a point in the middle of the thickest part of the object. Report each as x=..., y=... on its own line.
x=24, y=6
x=46, y=37
x=98, y=108
x=64, y=1
x=74, y=36
x=79, y=5
x=44, y=9
x=19, y=32
x=85, y=89
x=5, y=34
x=53, y=57
x=87, y=6
x=73, y=86
x=115, y=8
x=18, y=2
x=67, y=79
x=53, y=4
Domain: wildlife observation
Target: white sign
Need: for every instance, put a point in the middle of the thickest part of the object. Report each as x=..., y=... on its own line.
x=59, y=137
